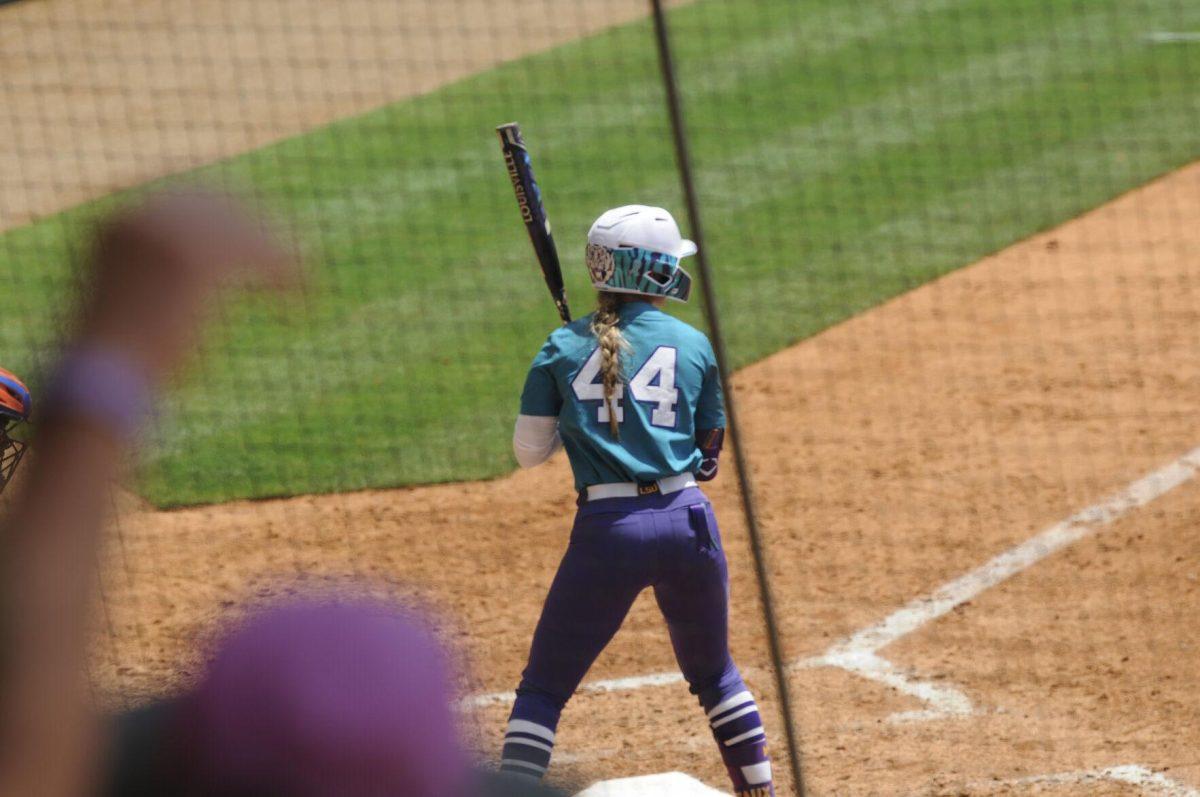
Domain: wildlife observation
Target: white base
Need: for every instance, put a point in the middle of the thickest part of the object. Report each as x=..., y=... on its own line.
x=666, y=784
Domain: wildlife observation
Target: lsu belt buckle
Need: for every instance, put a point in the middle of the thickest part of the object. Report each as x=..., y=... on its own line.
x=648, y=488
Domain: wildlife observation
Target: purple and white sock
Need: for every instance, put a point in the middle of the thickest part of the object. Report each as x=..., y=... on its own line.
x=527, y=749
x=738, y=729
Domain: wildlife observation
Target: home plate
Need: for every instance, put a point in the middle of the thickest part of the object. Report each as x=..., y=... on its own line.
x=666, y=784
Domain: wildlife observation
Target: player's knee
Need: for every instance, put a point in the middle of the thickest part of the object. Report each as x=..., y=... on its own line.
x=720, y=687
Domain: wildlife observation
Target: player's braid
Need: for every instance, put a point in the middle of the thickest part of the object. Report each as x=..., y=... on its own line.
x=612, y=345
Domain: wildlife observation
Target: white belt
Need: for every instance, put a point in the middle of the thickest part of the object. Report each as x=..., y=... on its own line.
x=671, y=484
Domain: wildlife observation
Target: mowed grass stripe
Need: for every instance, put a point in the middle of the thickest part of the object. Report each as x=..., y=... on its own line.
x=846, y=152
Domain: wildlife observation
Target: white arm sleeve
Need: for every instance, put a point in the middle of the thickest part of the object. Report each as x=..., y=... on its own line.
x=535, y=439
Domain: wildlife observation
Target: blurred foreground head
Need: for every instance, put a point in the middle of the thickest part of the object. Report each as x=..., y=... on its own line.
x=349, y=699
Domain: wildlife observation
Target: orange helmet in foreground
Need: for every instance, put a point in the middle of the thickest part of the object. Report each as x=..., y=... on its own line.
x=15, y=406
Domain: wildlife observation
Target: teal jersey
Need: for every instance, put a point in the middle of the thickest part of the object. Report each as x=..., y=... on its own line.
x=671, y=389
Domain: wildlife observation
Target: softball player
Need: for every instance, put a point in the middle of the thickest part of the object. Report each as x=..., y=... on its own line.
x=634, y=396
x=14, y=410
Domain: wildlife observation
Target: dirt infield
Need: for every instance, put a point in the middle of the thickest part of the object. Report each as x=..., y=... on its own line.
x=105, y=94
x=893, y=454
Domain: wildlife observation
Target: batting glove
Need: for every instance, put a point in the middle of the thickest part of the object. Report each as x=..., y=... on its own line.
x=709, y=441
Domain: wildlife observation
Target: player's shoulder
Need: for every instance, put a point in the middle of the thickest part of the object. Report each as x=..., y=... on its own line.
x=681, y=331
x=573, y=334
x=569, y=339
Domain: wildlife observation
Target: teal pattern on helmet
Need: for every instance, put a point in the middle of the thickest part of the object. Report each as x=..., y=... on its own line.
x=639, y=271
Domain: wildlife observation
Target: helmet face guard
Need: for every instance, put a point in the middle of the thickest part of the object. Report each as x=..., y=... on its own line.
x=11, y=451
x=638, y=271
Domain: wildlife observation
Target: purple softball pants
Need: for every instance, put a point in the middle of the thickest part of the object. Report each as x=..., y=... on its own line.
x=618, y=548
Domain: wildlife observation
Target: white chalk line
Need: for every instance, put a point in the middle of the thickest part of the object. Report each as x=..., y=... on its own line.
x=1147, y=780
x=1172, y=37
x=609, y=685
x=859, y=653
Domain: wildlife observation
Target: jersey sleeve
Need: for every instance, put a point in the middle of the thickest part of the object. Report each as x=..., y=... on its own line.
x=541, y=396
x=710, y=409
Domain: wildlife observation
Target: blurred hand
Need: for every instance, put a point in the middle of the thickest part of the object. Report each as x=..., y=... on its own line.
x=153, y=270
x=155, y=267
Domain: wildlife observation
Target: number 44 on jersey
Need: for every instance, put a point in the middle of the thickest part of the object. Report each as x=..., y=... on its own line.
x=654, y=383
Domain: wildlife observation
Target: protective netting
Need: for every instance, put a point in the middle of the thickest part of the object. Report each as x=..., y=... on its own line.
x=955, y=252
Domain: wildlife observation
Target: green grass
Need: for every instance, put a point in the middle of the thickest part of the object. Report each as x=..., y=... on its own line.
x=846, y=152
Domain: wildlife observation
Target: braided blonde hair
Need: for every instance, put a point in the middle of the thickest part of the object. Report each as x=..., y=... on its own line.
x=612, y=346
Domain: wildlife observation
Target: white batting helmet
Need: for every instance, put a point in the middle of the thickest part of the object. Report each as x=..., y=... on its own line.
x=637, y=249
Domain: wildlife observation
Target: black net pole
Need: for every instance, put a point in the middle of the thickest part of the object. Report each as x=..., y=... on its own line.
x=683, y=159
